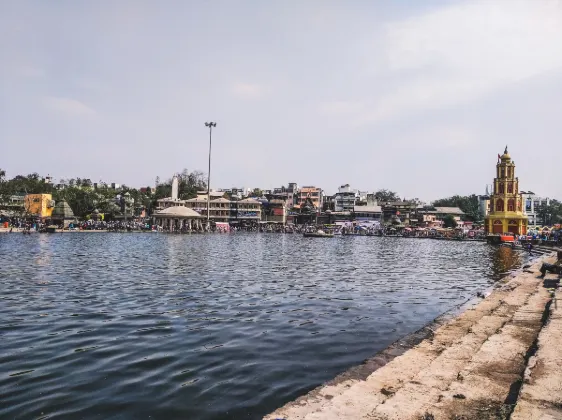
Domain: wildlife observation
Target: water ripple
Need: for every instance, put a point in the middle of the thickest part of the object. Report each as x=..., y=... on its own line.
x=211, y=327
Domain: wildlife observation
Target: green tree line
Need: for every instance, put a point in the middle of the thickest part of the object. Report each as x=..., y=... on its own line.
x=83, y=198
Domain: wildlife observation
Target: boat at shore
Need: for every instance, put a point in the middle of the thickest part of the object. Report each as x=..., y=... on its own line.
x=318, y=234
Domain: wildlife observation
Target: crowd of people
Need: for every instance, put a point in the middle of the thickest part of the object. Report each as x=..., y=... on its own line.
x=345, y=228
x=115, y=225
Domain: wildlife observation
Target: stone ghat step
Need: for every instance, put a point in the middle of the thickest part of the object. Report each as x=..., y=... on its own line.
x=470, y=367
x=541, y=394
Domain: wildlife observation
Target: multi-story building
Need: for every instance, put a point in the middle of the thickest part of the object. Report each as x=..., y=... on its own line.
x=235, y=193
x=313, y=193
x=398, y=211
x=345, y=198
x=534, y=208
x=367, y=209
x=435, y=216
x=220, y=209
x=329, y=203
x=290, y=193
x=276, y=209
x=484, y=201
x=506, y=206
x=39, y=205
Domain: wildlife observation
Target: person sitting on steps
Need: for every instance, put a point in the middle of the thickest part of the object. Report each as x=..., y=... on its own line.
x=555, y=268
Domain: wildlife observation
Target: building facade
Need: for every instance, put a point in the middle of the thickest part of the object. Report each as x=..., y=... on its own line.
x=313, y=193
x=435, y=216
x=368, y=212
x=275, y=209
x=220, y=208
x=290, y=194
x=533, y=208
x=398, y=211
x=39, y=205
x=223, y=210
x=506, y=204
x=345, y=199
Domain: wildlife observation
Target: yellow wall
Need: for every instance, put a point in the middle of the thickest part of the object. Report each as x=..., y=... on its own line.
x=39, y=205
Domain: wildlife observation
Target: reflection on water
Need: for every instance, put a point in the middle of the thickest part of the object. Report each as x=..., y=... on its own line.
x=211, y=327
x=504, y=260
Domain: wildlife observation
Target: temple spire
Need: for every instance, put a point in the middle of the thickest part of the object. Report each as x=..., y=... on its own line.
x=505, y=151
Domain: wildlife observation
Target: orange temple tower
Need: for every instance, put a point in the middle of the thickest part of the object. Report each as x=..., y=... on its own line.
x=506, y=204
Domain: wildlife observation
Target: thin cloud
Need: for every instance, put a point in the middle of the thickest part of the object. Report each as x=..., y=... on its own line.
x=249, y=90
x=340, y=107
x=68, y=107
x=465, y=51
x=31, y=72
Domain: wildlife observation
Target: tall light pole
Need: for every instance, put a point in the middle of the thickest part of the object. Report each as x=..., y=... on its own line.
x=210, y=125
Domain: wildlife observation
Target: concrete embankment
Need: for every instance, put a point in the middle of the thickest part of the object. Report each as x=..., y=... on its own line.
x=541, y=393
x=470, y=367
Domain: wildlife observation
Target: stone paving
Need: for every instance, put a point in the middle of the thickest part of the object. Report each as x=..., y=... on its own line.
x=470, y=368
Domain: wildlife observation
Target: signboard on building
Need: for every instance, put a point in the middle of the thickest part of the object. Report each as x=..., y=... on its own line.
x=241, y=214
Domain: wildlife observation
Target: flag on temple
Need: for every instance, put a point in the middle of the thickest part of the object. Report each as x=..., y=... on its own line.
x=499, y=157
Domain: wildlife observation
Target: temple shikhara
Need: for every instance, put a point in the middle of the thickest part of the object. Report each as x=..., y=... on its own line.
x=506, y=203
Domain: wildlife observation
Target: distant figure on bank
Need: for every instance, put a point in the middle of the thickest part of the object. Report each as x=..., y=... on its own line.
x=555, y=268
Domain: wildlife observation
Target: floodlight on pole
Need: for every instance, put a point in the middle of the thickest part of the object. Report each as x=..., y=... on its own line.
x=210, y=125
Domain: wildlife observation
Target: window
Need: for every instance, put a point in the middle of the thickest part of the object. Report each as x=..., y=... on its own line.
x=511, y=205
x=499, y=205
x=501, y=188
x=510, y=188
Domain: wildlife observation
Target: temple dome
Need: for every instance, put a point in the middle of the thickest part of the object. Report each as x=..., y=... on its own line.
x=62, y=211
x=505, y=156
x=178, y=212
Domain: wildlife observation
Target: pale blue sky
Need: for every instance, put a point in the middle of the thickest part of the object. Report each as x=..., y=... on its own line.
x=417, y=97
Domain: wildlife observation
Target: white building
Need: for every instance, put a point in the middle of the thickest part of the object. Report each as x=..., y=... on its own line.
x=532, y=205
x=484, y=201
x=345, y=198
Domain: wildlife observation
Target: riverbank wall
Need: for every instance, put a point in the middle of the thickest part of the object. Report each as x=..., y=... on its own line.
x=498, y=359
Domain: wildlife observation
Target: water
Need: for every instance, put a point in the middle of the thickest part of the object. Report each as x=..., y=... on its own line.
x=139, y=326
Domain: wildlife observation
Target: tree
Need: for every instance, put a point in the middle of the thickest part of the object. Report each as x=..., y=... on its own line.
x=470, y=205
x=384, y=196
x=189, y=184
x=449, y=221
x=551, y=214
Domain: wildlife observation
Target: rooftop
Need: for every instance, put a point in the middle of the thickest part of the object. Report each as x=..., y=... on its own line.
x=178, y=211
x=449, y=210
x=367, y=209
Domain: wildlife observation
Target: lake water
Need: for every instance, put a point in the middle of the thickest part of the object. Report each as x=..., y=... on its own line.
x=139, y=326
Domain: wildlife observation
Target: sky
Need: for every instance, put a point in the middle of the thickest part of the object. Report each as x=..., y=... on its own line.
x=416, y=97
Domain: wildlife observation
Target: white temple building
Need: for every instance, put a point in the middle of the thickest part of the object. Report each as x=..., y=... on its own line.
x=171, y=210
x=174, y=215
